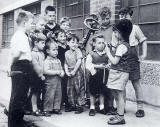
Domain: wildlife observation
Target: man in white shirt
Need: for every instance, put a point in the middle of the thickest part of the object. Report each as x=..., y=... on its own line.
x=19, y=69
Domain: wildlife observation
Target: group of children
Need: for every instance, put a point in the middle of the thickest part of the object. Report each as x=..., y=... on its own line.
x=60, y=64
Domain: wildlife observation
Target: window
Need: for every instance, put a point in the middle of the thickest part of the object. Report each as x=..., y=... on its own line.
x=146, y=15
x=77, y=10
x=33, y=8
x=8, y=29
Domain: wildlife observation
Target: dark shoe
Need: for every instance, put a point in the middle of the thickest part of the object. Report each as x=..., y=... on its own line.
x=57, y=111
x=92, y=112
x=140, y=113
x=117, y=120
x=79, y=110
x=111, y=111
x=70, y=109
x=37, y=113
x=47, y=114
x=102, y=112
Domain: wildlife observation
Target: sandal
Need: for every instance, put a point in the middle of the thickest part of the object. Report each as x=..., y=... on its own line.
x=140, y=113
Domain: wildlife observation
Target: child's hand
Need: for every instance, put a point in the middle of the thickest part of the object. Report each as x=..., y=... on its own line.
x=62, y=74
x=107, y=49
x=43, y=78
x=49, y=34
x=108, y=66
x=142, y=57
x=100, y=66
x=73, y=73
x=68, y=74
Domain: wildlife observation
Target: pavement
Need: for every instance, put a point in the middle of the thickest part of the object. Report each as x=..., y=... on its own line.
x=151, y=119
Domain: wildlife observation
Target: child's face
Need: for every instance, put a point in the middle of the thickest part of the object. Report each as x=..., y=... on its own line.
x=99, y=44
x=29, y=24
x=51, y=17
x=73, y=44
x=65, y=26
x=40, y=25
x=40, y=45
x=125, y=16
x=117, y=35
x=61, y=37
x=53, y=51
x=105, y=19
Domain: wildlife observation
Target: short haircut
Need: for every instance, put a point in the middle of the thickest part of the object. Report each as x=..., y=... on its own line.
x=72, y=36
x=65, y=19
x=23, y=16
x=49, y=43
x=57, y=32
x=103, y=12
x=97, y=36
x=125, y=10
x=50, y=8
x=93, y=16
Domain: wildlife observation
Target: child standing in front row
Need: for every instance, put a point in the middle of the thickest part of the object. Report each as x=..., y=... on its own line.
x=97, y=64
x=120, y=68
x=53, y=72
x=75, y=84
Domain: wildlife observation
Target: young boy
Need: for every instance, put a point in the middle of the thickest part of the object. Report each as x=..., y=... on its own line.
x=51, y=25
x=136, y=38
x=54, y=72
x=97, y=64
x=38, y=58
x=21, y=69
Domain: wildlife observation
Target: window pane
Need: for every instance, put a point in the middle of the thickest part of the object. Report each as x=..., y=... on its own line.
x=61, y=3
x=133, y=2
x=79, y=33
x=60, y=13
x=86, y=6
x=153, y=52
x=69, y=11
x=77, y=22
x=148, y=1
x=77, y=9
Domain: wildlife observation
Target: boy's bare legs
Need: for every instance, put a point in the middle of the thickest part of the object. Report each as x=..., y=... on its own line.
x=139, y=97
x=92, y=106
x=34, y=102
x=101, y=100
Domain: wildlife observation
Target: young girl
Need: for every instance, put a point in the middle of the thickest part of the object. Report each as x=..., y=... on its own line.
x=75, y=84
x=120, y=68
x=53, y=72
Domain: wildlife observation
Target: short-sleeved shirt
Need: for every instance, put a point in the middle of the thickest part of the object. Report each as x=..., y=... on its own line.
x=38, y=58
x=20, y=43
x=135, y=38
x=71, y=57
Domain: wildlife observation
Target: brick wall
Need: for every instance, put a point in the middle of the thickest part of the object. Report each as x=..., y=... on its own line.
x=114, y=5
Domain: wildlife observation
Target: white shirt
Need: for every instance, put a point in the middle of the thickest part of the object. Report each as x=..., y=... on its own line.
x=20, y=43
x=121, y=50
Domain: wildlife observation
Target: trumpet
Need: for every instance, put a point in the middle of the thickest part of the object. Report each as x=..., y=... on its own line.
x=93, y=25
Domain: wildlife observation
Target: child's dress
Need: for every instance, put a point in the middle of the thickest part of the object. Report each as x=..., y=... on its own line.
x=53, y=92
x=75, y=84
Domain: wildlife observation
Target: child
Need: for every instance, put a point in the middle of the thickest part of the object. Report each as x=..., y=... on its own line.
x=96, y=63
x=21, y=69
x=75, y=84
x=136, y=38
x=53, y=72
x=120, y=68
x=51, y=25
x=38, y=77
x=65, y=24
x=60, y=38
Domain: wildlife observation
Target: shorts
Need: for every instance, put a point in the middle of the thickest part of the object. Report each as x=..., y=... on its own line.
x=134, y=65
x=117, y=80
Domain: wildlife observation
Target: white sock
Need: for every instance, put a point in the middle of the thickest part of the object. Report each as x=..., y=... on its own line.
x=92, y=107
x=34, y=108
x=101, y=107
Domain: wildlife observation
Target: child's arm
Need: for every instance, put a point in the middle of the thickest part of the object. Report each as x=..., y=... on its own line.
x=48, y=69
x=66, y=70
x=121, y=49
x=62, y=71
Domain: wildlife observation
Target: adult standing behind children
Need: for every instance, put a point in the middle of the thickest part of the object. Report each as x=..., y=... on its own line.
x=20, y=69
x=51, y=25
x=136, y=38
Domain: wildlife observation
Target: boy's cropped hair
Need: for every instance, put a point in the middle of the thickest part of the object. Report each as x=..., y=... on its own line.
x=73, y=36
x=24, y=16
x=57, y=32
x=50, y=8
x=97, y=36
x=103, y=12
x=126, y=10
x=65, y=19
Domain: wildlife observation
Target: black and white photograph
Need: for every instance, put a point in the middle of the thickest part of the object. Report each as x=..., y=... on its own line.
x=79, y=63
